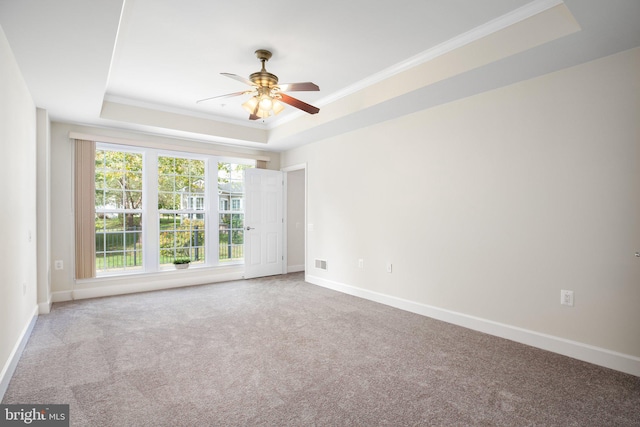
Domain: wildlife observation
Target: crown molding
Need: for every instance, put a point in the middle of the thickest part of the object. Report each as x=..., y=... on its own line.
x=477, y=33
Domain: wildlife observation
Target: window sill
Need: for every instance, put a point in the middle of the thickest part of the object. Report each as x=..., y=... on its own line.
x=201, y=270
x=132, y=283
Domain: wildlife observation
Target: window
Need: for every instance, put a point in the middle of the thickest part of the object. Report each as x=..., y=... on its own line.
x=231, y=222
x=181, y=194
x=118, y=207
x=154, y=206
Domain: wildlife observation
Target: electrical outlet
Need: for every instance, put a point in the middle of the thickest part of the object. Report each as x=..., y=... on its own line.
x=389, y=267
x=566, y=298
x=58, y=265
x=360, y=263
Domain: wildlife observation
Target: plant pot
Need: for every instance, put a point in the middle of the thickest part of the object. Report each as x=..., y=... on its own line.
x=182, y=266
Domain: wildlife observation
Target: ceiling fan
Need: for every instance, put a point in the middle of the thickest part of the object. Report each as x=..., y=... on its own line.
x=266, y=94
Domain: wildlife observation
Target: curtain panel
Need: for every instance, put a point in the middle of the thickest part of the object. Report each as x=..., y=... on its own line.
x=84, y=206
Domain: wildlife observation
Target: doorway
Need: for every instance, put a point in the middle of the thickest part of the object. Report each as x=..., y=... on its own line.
x=296, y=218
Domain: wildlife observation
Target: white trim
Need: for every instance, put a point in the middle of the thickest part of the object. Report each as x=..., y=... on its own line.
x=295, y=268
x=294, y=168
x=177, y=281
x=475, y=34
x=45, y=307
x=181, y=111
x=151, y=282
x=286, y=170
x=577, y=350
x=10, y=366
x=61, y=296
x=285, y=223
x=165, y=146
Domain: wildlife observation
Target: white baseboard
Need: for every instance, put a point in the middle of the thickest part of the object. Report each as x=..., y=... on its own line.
x=577, y=350
x=10, y=366
x=295, y=268
x=45, y=307
x=61, y=296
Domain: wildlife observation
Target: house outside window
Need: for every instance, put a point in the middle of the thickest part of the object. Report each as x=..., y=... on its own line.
x=231, y=221
x=185, y=217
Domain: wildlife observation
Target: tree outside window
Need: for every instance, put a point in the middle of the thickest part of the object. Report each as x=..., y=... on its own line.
x=181, y=193
x=118, y=218
x=183, y=198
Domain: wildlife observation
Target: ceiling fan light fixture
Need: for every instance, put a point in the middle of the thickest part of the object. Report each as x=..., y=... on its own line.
x=263, y=114
x=251, y=104
x=266, y=103
x=277, y=106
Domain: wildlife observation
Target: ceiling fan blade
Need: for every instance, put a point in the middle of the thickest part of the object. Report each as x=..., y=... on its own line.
x=298, y=104
x=254, y=115
x=239, y=78
x=229, y=95
x=302, y=86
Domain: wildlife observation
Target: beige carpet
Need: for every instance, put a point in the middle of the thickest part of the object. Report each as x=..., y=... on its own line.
x=279, y=352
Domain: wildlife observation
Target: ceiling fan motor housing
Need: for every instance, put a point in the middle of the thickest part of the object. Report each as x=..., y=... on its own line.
x=264, y=78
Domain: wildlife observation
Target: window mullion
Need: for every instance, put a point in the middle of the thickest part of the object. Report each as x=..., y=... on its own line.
x=211, y=208
x=150, y=212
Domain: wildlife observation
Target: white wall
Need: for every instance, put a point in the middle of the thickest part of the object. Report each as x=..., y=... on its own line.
x=295, y=220
x=63, y=284
x=489, y=206
x=43, y=160
x=18, y=289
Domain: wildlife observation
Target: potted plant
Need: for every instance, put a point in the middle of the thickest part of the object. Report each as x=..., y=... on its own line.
x=181, y=263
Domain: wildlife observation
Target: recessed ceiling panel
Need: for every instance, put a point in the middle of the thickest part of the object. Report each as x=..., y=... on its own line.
x=171, y=54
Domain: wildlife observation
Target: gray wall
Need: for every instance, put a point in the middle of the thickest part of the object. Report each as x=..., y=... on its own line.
x=488, y=206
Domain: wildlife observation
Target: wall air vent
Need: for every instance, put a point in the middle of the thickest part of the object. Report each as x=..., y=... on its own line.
x=321, y=264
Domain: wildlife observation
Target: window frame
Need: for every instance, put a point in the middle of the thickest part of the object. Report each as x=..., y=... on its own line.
x=121, y=211
x=150, y=213
x=205, y=212
x=231, y=230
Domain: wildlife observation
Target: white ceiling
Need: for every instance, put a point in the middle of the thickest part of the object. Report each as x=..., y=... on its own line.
x=142, y=64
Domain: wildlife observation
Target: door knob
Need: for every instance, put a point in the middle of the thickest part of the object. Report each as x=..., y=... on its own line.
x=250, y=228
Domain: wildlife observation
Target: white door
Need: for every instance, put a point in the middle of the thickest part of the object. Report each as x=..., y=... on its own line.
x=263, y=223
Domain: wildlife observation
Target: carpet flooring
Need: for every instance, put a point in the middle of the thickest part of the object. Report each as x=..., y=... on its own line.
x=278, y=351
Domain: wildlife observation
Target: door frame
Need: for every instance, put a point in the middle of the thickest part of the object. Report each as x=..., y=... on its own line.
x=286, y=170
